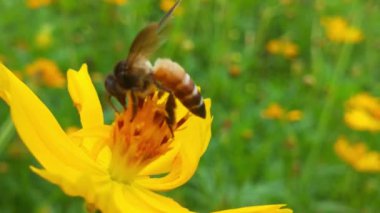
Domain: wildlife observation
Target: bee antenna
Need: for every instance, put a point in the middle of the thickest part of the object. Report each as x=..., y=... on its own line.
x=168, y=14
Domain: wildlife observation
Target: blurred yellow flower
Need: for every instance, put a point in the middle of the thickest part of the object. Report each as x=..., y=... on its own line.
x=115, y=168
x=290, y=50
x=275, y=111
x=46, y=72
x=282, y=47
x=234, y=70
x=166, y=5
x=358, y=155
x=338, y=30
x=294, y=115
x=43, y=38
x=274, y=47
x=117, y=2
x=34, y=4
x=363, y=112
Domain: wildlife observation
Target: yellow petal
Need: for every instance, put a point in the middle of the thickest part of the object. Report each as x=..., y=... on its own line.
x=361, y=120
x=259, y=209
x=38, y=128
x=110, y=196
x=350, y=153
x=363, y=101
x=370, y=162
x=93, y=142
x=4, y=84
x=85, y=98
x=96, y=188
x=193, y=139
x=164, y=163
x=153, y=202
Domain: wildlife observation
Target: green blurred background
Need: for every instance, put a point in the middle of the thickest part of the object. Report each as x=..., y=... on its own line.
x=251, y=159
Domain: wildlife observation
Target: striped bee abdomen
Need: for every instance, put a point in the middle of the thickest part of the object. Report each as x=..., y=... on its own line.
x=174, y=78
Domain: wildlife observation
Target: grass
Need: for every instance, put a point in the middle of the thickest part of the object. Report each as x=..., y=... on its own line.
x=283, y=162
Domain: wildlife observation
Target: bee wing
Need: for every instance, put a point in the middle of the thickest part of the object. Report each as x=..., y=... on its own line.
x=145, y=43
x=149, y=38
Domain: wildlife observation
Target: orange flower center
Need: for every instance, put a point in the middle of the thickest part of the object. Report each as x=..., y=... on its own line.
x=139, y=139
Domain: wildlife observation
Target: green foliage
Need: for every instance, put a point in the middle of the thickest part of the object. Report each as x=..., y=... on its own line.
x=282, y=162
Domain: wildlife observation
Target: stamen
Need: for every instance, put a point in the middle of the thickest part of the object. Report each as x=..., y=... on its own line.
x=136, y=143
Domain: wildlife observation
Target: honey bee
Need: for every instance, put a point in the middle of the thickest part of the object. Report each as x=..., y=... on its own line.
x=135, y=76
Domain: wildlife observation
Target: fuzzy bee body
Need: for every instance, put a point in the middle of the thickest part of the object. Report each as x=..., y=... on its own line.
x=174, y=78
x=136, y=77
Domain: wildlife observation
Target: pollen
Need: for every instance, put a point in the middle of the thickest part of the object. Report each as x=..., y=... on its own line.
x=139, y=139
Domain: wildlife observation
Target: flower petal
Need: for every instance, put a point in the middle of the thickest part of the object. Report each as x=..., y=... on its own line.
x=368, y=163
x=38, y=128
x=193, y=140
x=164, y=163
x=259, y=209
x=152, y=202
x=85, y=98
x=110, y=196
x=358, y=119
x=4, y=83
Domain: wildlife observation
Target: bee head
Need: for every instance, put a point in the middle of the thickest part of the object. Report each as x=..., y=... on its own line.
x=125, y=77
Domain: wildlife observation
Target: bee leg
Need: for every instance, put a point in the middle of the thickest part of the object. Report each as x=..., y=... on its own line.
x=108, y=97
x=169, y=108
x=161, y=89
x=160, y=93
x=114, y=90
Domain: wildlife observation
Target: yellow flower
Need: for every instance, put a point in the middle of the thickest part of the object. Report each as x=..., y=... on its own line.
x=166, y=5
x=117, y=2
x=294, y=115
x=353, y=35
x=34, y=4
x=363, y=112
x=258, y=209
x=338, y=30
x=46, y=72
x=282, y=47
x=274, y=47
x=290, y=50
x=358, y=156
x=115, y=168
x=275, y=111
